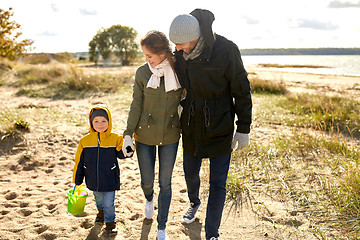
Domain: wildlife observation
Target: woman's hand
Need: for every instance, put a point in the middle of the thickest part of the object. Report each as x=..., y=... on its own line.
x=128, y=147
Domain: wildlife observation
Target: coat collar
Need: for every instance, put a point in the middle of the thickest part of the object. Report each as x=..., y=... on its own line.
x=205, y=18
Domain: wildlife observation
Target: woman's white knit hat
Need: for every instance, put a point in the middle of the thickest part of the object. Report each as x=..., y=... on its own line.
x=184, y=28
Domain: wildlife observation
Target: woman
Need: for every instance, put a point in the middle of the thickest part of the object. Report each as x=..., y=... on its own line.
x=154, y=122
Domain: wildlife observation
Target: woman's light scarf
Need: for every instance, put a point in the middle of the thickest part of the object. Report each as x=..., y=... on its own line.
x=170, y=77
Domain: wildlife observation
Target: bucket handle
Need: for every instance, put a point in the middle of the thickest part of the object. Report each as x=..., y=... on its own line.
x=79, y=189
x=73, y=190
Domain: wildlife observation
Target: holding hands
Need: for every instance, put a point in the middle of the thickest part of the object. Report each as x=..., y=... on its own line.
x=128, y=147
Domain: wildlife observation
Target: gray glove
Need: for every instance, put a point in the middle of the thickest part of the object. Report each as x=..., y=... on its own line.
x=128, y=143
x=241, y=139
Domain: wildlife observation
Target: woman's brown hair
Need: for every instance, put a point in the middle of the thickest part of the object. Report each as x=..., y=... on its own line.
x=157, y=43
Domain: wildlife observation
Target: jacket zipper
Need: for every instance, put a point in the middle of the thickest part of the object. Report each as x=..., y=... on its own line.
x=97, y=163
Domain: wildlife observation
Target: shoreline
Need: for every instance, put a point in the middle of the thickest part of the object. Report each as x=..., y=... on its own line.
x=286, y=70
x=339, y=65
x=310, y=82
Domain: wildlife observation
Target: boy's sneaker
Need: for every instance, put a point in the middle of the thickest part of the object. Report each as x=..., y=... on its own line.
x=189, y=216
x=214, y=238
x=111, y=228
x=149, y=208
x=100, y=217
x=161, y=235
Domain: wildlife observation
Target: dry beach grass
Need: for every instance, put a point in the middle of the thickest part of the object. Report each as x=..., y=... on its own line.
x=277, y=183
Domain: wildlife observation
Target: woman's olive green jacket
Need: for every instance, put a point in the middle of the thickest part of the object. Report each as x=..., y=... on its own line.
x=153, y=116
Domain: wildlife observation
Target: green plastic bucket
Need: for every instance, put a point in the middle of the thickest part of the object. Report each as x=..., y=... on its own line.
x=76, y=203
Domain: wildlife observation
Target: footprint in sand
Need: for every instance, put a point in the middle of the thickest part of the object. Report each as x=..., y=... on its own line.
x=4, y=212
x=26, y=212
x=27, y=194
x=87, y=224
x=48, y=236
x=183, y=190
x=41, y=228
x=131, y=178
x=52, y=165
x=135, y=217
x=10, y=205
x=13, y=167
x=30, y=166
x=24, y=205
x=11, y=196
x=126, y=167
x=51, y=206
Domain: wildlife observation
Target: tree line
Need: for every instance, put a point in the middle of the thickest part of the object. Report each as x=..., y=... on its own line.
x=116, y=41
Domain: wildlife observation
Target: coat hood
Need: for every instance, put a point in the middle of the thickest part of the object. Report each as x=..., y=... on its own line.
x=107, y=110
x=205, y=18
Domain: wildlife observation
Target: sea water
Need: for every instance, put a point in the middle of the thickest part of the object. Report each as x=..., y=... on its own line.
x=348, y=65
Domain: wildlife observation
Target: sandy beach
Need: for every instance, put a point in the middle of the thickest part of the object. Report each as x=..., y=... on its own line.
x=311, y=83
x=36, y=174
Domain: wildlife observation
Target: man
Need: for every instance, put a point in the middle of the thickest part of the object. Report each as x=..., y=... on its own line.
x=210, y=68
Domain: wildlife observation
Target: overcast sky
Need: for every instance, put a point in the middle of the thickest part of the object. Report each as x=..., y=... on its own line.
x=69, y=25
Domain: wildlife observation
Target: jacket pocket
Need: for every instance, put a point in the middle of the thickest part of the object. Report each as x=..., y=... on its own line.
x=110, y=175
x=244, y=83
x=220, y=125
x=219, y=119
x=174, y=121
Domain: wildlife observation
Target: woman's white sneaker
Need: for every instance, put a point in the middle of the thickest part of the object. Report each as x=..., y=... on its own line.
x=149, y=209
x=161, y=235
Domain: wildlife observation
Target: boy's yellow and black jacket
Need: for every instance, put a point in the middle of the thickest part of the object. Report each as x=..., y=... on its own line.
x=96, y=158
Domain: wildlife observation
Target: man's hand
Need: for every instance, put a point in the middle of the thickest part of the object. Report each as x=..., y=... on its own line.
x=128, y=147
x=241, y=140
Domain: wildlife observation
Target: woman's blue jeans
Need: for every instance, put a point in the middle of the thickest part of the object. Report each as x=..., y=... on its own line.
x=146, y=156
x=219, y=168
x=105, y=201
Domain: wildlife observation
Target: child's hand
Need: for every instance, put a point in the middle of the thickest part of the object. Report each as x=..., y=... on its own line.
x=129, y=151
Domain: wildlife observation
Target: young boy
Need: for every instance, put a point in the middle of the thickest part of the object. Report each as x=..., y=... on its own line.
x=96, y=160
